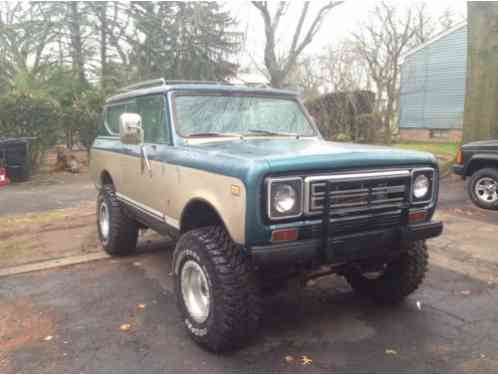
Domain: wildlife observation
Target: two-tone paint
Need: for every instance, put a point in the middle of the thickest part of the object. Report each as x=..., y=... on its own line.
x=211, y=170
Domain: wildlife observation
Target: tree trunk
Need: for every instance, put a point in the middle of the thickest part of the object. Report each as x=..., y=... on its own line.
x=103, y=44
x=481, y=98
x=76, y=41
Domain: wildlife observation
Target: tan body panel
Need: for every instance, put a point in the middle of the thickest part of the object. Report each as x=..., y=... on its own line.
x=169, y=188
x=215, y=189
x=101, y=160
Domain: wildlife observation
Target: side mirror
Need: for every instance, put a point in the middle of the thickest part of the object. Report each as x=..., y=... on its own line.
x=130, y=129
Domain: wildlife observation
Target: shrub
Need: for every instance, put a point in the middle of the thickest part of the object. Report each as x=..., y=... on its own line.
x=83, y=115
x=343, y=137
x=336, y=113
x=24, y=114
x=371, y=127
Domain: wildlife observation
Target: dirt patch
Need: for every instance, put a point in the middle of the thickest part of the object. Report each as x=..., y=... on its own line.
x=50, y=163
x=56, y=234
x=22, y=324
x=48, y=235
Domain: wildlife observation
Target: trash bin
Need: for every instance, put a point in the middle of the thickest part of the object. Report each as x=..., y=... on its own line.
x=14, y=154
x=4, y=180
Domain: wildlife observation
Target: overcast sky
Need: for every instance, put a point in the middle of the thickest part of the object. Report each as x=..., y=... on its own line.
x=338, y=25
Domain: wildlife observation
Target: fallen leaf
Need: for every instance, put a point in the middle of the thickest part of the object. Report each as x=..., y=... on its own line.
x=48, y=338
x=138, y=264
x=141, y=306
x=125, y=327
x=391, y=352
x=289, y=358
x=465, y=292
x=306, y=360
x=483, y=355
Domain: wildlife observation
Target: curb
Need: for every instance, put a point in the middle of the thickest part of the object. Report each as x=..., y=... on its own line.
x=54, y=263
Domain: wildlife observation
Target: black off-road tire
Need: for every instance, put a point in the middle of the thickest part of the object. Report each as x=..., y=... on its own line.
x=123, y=232
x=471, y=183
x=402, y=276
x=235, y=300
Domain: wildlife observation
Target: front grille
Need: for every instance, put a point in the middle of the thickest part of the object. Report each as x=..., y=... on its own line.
x=358, y=201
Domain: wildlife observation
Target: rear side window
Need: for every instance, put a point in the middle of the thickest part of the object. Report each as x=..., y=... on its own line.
x=151, y=109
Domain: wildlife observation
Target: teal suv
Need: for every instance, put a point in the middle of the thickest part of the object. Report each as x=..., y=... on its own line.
x=254, y=196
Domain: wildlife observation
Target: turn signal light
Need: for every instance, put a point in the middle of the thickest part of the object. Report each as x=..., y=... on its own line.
x=284, y=235
x=417, y=216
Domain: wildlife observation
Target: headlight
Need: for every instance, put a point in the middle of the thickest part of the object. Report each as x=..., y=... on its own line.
x=422, y=185
x=284, y=198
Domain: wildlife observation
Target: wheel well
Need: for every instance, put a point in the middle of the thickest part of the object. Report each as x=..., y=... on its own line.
x=475, y=165
x=199, y=214
x=106, y=179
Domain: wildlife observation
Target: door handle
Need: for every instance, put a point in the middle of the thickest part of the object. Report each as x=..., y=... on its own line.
x=146, y=160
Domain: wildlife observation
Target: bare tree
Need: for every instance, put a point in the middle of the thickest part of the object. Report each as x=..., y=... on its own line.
x=448, y=19
x=108, y=21
x=424, y=24
x=381, y=43
x=305, y=77
x=342, y=69
x=279, y=67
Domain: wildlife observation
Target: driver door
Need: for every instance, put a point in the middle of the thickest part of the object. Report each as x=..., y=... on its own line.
x=149, y=183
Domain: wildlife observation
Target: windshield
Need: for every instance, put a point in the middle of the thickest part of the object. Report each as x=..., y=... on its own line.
x=217, y=115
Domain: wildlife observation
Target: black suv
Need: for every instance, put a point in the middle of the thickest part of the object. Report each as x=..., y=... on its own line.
x=479, y=162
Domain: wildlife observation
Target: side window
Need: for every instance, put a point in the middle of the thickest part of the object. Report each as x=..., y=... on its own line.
x=112, y=114
x=131, y=107
x=151, y=108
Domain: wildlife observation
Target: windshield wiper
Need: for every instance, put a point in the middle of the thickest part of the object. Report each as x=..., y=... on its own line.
x=269, y=132
x=212, y=134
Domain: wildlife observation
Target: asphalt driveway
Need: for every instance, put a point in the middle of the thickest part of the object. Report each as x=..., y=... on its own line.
x=68, y=320
x=44, y=193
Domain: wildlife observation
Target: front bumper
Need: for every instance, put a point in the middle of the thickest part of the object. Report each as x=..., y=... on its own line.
x=458, y=169
x=344, y=248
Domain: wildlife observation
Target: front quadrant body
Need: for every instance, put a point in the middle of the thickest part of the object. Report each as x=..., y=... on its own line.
x=254, y=195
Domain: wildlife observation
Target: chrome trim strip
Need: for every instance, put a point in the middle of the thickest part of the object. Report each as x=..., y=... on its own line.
x=269, y=182
x=359, y=176
x=150, y=211
x=368, y=216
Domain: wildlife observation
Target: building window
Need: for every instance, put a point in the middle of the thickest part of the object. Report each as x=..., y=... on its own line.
x=440, y=133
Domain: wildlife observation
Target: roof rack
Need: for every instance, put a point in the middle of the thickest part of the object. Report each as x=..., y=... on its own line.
x=187, y=82
x=162, y=82
x=144, y=84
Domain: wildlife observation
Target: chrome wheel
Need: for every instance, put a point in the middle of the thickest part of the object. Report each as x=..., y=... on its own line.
x=486, y=190
x=195, y=291
x=104, y=221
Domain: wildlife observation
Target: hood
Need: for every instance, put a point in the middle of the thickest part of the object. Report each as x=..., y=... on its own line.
x=284, y=155
x=489, y=144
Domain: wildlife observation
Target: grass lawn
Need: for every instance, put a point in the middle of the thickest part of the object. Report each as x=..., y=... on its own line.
x=445, y=152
